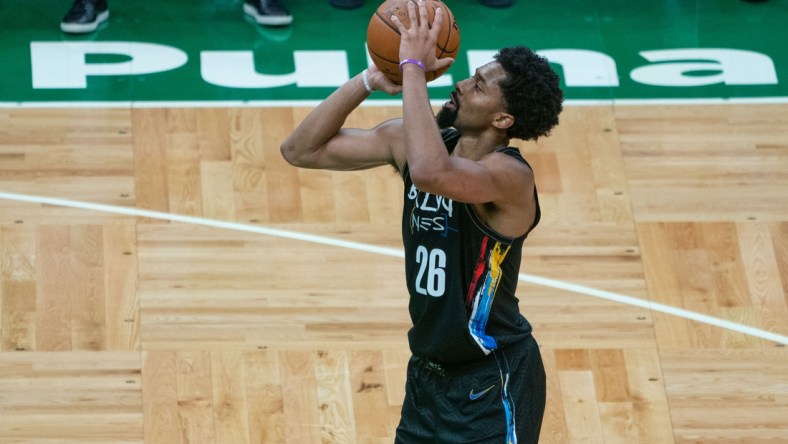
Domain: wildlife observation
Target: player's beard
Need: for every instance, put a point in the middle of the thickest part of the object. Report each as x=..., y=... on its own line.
x=446, y=117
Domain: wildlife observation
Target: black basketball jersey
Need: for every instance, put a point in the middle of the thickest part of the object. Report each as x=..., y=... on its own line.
x=461, y=276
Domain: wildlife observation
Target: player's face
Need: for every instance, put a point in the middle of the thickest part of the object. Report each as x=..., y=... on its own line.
x=474, y=100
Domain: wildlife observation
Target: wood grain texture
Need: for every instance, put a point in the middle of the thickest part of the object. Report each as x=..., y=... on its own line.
x=123, y=329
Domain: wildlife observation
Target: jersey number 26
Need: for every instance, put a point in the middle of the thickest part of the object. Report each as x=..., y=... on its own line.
x=431, y=279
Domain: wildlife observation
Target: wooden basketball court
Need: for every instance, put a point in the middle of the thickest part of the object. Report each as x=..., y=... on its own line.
x=156, y=328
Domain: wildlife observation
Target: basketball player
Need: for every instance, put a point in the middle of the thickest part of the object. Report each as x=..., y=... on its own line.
x=476, y=374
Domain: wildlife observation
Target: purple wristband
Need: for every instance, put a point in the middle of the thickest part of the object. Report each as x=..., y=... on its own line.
x=414, y=62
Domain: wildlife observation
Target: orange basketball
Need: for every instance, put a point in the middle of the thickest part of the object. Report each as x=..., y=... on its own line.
x=383, y=36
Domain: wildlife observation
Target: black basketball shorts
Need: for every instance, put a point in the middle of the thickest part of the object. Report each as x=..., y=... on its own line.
x=501, y=401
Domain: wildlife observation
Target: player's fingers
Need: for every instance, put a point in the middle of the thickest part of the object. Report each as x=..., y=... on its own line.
x=412, y=15
x=381, y=82
x=436, y=24
x=424, y=22
x=444, y=62
x=400, y=26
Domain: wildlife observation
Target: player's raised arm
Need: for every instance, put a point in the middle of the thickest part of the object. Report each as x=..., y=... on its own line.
x=319, y=141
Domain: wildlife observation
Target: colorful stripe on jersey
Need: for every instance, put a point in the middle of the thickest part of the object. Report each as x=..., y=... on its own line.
x=508, y=408
x=481, y=292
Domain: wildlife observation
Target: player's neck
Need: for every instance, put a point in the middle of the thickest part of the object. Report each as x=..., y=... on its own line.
x=475, y=147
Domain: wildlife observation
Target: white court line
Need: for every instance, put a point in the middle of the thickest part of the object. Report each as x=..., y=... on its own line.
x=386, y=251
x=374, y=102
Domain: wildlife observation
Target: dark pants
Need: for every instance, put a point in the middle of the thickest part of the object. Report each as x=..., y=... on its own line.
x=502, y=400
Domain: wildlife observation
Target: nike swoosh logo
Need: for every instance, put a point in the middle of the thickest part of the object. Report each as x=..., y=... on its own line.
x=475, y=396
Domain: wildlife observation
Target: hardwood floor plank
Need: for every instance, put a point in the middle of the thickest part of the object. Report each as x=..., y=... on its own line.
x=70, y=397
x=332, y=377
x=581, y=406
x=230, y=411
x=162, y=423
x=121, y=281
x=370, y=401
x=763, y=277
x=86, y=288
x=194, y=390
x=299, y=394
x=264, y=397
x=150, y=160
x=53, y=292
x=122, y=329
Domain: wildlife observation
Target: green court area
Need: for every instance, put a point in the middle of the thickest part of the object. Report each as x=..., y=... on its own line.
x=208, y=51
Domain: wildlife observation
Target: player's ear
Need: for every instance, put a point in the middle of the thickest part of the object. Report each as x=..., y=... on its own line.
x=502, y=120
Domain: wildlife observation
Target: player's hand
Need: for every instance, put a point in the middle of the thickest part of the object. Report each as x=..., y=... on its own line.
x=379, y=82
x=418, y=41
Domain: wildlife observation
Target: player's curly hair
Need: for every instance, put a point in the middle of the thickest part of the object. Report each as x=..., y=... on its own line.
x=532, y=92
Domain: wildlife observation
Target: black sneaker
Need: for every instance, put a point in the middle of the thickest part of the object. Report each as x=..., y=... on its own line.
x=84, y=16
x=347, y=4
x=268, y=12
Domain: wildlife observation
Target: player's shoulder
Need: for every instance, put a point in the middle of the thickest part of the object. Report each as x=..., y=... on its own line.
x=508, y=164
